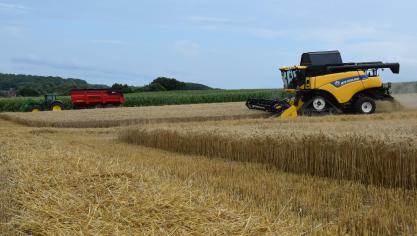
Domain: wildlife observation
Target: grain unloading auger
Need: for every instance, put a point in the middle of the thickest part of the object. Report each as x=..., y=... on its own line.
x=323, y=84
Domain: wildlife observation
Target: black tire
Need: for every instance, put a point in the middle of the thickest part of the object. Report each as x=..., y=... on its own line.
x=248, y=104
x=365, y=105
x=36, y=108
x=56, y=106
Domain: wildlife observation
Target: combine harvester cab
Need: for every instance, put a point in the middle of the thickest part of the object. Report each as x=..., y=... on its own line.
x=324, y=84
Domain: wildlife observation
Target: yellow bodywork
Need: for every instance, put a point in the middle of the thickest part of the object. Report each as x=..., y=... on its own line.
x=343, y=86
x=357, y=81
x=292, y=110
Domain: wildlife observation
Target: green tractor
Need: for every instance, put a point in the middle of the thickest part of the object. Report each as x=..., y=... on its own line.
x=50, y=104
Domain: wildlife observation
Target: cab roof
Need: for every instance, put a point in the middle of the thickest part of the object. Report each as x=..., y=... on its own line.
x=321, y=58
x=313, y=59
x=328, y=62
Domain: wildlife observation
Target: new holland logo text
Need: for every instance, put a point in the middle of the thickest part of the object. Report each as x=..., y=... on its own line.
x=339, y=83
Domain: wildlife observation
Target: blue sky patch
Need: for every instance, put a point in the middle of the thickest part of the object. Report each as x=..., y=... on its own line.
x=223, y=44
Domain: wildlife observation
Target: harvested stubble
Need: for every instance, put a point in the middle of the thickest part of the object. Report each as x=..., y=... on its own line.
x=82, y=181
x=95, y=118
x=379, y=153
x=65, y=188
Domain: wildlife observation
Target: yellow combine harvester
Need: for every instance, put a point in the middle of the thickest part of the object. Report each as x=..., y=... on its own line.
x=323, y=84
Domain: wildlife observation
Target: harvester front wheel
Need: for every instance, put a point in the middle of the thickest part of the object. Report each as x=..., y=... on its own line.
x=365, y=105
x=319, y=103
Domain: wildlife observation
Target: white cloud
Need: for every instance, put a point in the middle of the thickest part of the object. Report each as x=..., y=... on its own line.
x=187, y=48
x=10, y=29
x=13, y=32
x=12, y=6
x=74, y=66
x=377, y=42
x=205, y=19
x=399, y=50
x=340, y=35
x=108, y=41
x=268, y=33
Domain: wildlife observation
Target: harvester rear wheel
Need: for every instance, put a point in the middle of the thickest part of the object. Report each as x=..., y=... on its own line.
x=365, y=105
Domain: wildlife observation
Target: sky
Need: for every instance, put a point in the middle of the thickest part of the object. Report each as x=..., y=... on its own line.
x=226, y=44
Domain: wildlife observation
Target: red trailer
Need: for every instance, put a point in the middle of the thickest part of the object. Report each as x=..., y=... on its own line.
x=81, y=98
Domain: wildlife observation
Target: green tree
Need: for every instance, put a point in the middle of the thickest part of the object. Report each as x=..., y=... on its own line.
x=169, y=83
x=122, y=87
x=28, y=92
x=43, y=84
x=155, y=87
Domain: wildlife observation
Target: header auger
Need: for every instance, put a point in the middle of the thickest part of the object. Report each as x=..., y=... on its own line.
x=323, y=84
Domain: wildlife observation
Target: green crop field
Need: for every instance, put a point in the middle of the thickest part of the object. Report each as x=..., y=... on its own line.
x=159, y=98
x=21, y=103
x=192, y=97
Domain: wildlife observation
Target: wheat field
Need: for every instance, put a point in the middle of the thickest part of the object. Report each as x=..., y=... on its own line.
x=99, y=118
x=371, y=151
x=111, y=117
x=211, y=177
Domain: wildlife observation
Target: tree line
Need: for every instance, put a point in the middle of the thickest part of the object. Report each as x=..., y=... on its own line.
x=160, y=84
x=33, y=86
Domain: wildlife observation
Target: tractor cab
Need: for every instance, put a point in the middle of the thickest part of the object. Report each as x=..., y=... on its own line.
x=50, y=98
